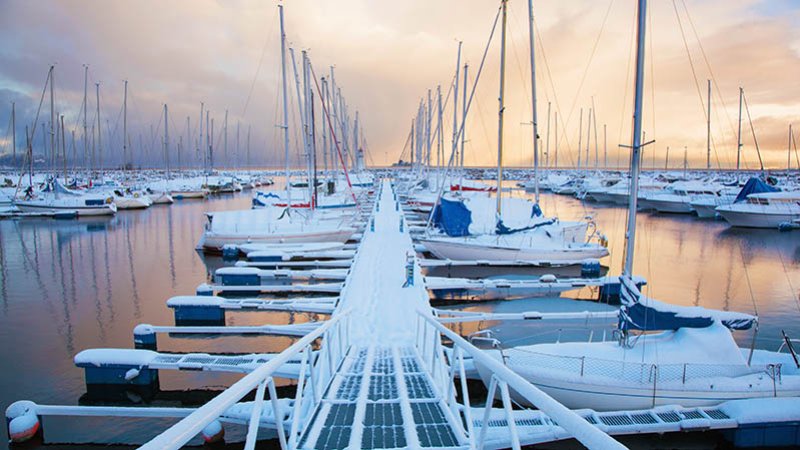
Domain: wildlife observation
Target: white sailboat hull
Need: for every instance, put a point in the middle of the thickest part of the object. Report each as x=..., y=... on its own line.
x=82, y=211
x=607, y=393
x=215, y=241
x=459, y=250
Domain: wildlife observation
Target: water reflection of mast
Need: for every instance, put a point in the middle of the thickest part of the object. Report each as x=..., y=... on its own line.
x=97, y=306
x=137, y=309
x=33, y=266
x=4, y=275
x=64, y=299
x=727, y=297
x=108, y=278
x=171, y=247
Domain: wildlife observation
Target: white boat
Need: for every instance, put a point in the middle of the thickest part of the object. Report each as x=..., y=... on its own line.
x=764, y=210
x=188, y=193
x=274, y=225
x=131, y=199
x=677, y=198
x=521, y=235
x=687, y=366
x=60, y=199
x=160, y=198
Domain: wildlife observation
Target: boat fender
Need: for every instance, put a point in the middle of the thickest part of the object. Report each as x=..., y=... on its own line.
x=213, y=432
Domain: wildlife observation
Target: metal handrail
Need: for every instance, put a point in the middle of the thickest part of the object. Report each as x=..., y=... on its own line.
x=504, y=378
x=182, y=432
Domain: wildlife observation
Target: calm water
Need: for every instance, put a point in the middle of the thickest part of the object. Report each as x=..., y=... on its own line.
x=71, y=285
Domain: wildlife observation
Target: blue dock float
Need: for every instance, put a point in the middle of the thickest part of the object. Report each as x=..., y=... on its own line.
x=210, y=310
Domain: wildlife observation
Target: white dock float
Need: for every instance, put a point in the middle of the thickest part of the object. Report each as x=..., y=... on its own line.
x=429, y=263
x=250, y=275
x=304, y=264
x=140, y=360
x=319, y=305
x=276, y=289
x=145, y=335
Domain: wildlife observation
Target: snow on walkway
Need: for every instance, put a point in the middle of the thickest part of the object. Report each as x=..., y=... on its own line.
x=385, y=312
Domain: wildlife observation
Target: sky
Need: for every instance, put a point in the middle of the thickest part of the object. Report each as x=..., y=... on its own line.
x=226, y=54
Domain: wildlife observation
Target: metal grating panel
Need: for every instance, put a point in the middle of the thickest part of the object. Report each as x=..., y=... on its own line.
x=383, y=365
x=693, y=415
x=439, y=435
x=358, y=365
x=349, y=388
x=427, y=413
x=591, y=420
x=382, y=387
x=233, y=361
x=383, y=414
x=716, y=414
x=197, y=359
x=167, y=359
x=383, y=437
x=418, y=387
x=338, y=424
x=670, y=417
x=616, y=420
x=643, y=418
x=410, y=365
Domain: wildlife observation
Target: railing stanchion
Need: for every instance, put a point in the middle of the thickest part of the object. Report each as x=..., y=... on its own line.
x=465, y=397
x=255, y=418
x=487, y=410
x=277, y=413
x=512, y=424
x=298, y=401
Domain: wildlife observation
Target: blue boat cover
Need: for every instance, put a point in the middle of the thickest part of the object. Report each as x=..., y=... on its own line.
x=502, y=229
x=754, y=186
x=452, y=217
x=645, y=314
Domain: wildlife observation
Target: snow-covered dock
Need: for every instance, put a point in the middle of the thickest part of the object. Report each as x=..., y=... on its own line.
x=377, y=373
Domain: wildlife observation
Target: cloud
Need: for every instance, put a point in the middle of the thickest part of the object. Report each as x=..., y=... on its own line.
x=388, y=54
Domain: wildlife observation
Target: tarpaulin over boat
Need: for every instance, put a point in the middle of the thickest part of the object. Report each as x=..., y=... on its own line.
x=754, y=186
x=642, y=313
x=452, y=217
x=502, y=229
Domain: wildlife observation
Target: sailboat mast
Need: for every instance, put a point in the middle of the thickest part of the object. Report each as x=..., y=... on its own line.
x=501, y=108
x=533, y=104
x=636, y=138
x=789, y=153
x=53, y=121
x=708, y=129
x=166, y=139
x=455, y=102
x=739, y=134
x=14, y=135
x=463, y=125
x=546, y=146
x=285, y=125
x=99, y=130
x=125, y=126
x=580, y=138
x=85, y=111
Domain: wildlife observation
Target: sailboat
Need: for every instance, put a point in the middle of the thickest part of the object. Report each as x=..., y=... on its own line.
x=532, y=237
x=283, y=224
x=665, y=354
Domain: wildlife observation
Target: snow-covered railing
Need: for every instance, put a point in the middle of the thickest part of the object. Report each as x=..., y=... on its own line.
x=334, y=333
x=503, y=379
x=642, y=373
